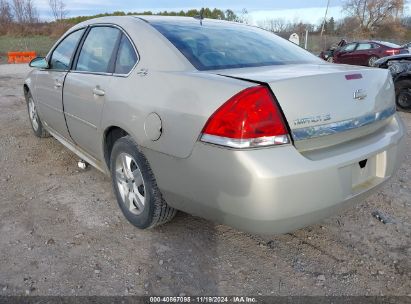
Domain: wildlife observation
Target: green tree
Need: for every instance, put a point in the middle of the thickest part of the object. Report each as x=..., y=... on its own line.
x=230, y=15
x=331, y=26
x=192, y=13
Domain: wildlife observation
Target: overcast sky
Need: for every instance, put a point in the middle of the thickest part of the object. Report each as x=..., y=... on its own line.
x=293, y=10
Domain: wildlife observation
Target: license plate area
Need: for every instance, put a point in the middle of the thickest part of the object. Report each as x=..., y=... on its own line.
x=363, y=172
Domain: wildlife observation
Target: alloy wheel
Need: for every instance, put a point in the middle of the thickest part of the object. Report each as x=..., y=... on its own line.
x=130, y=183
x=33, y=115
x=372, y=61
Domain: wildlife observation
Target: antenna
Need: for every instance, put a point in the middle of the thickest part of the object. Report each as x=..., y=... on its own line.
x=325, y=17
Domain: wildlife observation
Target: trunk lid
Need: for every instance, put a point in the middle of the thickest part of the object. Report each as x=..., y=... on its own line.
x=326, y=104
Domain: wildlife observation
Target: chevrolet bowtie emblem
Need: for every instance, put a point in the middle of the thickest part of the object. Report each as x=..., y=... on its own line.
x=360, y=94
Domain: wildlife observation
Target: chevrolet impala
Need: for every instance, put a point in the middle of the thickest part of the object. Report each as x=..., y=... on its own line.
x=221, y=120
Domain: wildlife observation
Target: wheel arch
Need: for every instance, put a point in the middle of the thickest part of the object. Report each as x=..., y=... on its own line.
x=372, y=56
x=402, y=76
x=110, y=135
x=26, y=90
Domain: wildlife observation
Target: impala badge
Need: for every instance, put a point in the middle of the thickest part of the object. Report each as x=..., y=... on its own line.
x=360, y=94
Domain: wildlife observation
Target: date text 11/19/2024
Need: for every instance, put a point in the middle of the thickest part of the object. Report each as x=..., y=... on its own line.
x=203, y=299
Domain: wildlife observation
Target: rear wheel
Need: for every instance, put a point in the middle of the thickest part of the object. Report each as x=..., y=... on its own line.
x=403, y=95
x=35, y=121
x=372, y=60
x=135, y=186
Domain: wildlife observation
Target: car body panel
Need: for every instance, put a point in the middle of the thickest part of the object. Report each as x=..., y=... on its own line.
x=276, y=190
x=328, y=54
x=183, y=110
x=385, y=60
x=49, y=97
x=252, y=189
x=311, y=107
x=343, y=55
x=83, y=109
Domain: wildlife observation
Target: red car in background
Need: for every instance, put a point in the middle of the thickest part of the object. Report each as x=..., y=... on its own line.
x=366, y=52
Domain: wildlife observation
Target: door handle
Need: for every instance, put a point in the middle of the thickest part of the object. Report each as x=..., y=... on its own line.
x=99, y=92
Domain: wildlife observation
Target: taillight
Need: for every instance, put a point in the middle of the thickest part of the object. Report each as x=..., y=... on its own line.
x=250, y=118
x=392, y=52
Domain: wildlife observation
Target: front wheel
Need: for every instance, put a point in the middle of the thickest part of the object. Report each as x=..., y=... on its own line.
x=35, y=121
x=403, y=95
x=135, y=186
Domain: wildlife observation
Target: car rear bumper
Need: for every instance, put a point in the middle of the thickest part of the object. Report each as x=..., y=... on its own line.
x=277, y=190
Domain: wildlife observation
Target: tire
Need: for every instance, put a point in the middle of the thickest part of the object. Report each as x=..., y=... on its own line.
x=35, y=121
x=403, y=95
x=330, y=59
x=372, y=60
x=135, y=186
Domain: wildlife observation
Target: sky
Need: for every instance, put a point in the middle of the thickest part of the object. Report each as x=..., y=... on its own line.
x=291, y=10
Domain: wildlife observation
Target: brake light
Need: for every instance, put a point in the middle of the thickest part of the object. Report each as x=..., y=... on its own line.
x=392, y=52
x=250, y=118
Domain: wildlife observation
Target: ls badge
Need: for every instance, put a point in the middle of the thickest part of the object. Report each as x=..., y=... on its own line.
x=360, y=94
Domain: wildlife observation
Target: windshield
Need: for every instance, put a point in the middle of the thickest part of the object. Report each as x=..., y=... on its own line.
x=219, y=45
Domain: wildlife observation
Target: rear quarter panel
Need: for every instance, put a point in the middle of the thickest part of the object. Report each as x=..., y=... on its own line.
x=170, y=86
x=184, y=102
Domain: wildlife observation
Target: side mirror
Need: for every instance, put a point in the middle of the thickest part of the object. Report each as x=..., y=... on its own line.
x=39, y=62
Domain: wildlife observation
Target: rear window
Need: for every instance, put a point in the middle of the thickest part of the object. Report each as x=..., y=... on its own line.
x=389, y=44
x=217, y=45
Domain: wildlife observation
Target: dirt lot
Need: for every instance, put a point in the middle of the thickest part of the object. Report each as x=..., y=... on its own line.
x=61, y=233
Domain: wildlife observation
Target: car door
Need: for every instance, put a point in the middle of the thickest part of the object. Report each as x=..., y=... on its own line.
x=49, y=84
x=87, y=84
x=362, y=53
x=345, y=54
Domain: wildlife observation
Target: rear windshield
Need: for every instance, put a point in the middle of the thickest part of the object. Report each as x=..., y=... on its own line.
x=218, y=45
x=389, y=44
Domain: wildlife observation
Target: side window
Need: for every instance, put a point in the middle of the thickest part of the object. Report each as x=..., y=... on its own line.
x=364, y=46
x=349, y=47
x=97, y=50
x=126, y=57
x=61, y=56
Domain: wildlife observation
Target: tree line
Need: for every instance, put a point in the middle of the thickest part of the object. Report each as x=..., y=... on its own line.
x=21, y=17
x=204, y=12
x=363, y=19
x=24, y=11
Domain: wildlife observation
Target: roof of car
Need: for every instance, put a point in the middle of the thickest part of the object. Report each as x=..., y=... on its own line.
x=365, y=41
x=152, y=18
x=371, y=41
x=170, y=18
x=184, y=20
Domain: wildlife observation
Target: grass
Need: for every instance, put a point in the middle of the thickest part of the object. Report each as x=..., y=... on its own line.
x=40, y=44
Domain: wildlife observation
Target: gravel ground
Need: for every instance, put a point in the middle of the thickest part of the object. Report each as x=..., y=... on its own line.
x=61, y=233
